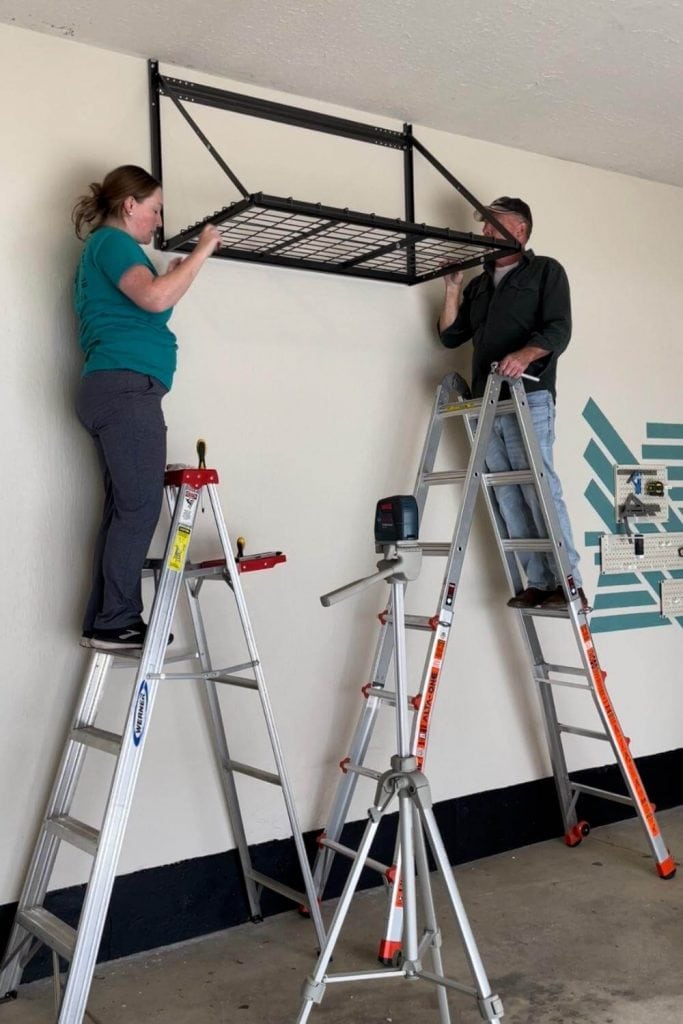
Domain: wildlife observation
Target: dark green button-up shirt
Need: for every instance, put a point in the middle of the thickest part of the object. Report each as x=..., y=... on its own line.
x=530, y=306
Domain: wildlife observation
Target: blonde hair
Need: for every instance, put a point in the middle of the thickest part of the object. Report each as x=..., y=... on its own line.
x=106, y=198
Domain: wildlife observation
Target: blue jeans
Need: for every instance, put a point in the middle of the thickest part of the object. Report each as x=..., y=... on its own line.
x=519, y=505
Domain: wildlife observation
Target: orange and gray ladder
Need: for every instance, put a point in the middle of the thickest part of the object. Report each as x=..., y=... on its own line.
x=34, y=924
x=586, y=675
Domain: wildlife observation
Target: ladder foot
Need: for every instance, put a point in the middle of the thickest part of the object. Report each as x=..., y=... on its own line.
x=304, y=911
x=667, y=869
x=9, y=996
x=578, y=832
x=388, y=951
x=256, y=918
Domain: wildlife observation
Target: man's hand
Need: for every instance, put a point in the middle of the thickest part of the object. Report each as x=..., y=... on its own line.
x=514, y=364
x=454, y=280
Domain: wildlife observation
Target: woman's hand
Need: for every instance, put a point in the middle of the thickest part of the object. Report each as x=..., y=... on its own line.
x=209, y=240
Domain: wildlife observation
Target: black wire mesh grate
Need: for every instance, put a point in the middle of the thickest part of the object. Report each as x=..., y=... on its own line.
x=287, y=232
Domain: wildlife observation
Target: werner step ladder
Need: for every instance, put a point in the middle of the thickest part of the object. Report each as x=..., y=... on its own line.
x=479, y=416
x=34, y=924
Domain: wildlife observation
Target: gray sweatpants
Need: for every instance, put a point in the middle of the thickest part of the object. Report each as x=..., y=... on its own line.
x=121, y=410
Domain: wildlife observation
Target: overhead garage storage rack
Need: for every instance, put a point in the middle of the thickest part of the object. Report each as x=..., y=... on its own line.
x=289, y=232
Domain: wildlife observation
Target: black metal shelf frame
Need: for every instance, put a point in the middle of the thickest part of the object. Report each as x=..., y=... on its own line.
x=309, y=236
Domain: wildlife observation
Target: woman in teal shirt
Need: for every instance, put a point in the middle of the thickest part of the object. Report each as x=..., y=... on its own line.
x=123, y=307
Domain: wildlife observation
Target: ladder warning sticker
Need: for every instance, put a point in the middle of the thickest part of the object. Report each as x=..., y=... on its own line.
x=179, y=549
x=187, y=511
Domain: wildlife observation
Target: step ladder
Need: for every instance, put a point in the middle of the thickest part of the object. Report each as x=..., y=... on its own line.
x=34, y=925
x=587, y=676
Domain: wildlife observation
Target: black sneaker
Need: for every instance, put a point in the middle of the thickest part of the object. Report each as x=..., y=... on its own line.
x=125, y=638
x=86, y=638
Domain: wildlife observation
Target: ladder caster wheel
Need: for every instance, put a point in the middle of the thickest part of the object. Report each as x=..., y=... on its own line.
x=574, y=836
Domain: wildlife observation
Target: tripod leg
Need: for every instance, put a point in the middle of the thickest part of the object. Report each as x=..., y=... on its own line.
x=314, y=986
x=490, y=1005
x=406, y=822
x=432, y=926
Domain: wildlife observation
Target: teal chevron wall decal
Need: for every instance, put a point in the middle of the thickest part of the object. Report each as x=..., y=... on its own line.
x=629, y=600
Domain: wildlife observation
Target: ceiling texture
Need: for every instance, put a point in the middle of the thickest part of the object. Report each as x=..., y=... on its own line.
x=595, y=81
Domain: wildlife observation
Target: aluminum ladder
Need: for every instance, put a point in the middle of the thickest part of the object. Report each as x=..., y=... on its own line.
x=478, y=417
x=34, y=925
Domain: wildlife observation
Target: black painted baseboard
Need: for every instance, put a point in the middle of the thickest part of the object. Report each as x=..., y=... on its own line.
x=162, y=905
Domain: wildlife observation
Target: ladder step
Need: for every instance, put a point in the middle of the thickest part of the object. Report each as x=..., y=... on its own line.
x=604, y=794
x=591, y=734
x=255, y=773
x=52, y=932
x=100, y=739
x=453, y=476
x=75, y=832
x=562, y=670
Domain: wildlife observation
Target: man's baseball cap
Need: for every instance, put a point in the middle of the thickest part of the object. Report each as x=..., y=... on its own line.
x=509, y=204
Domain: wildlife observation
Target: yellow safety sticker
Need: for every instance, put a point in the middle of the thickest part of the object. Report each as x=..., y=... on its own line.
x=179, y=549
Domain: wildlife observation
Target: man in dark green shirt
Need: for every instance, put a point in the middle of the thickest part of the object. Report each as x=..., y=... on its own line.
x=517, y=313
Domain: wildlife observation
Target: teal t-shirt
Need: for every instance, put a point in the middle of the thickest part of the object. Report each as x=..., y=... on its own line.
x=114, y=333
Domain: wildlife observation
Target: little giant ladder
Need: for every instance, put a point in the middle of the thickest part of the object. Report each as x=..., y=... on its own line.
x=587, y=676
x=34, y=925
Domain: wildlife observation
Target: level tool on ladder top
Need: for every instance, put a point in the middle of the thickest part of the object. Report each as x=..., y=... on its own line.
x=452, y=401
x=34, y=924
x=397, y=539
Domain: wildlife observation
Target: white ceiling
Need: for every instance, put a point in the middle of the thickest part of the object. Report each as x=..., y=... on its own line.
x=596, y=81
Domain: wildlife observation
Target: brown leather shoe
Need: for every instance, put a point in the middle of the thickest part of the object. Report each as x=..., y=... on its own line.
x=532, y=597
x=556, y=599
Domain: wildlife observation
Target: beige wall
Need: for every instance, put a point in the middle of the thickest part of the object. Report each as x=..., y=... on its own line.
x=314, y=394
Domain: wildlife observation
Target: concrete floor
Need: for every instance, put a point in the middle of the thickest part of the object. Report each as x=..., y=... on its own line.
x=583, y=936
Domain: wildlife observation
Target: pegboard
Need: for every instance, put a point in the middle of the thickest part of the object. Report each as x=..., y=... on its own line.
x=671, y=598
x=660, y=551
x=644, y=486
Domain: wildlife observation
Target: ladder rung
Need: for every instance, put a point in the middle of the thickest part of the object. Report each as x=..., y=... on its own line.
x=527, y=544
x=255, y=773
x=358, y=769
x=346, y=851
x=471, y=407
x=439, y=548
x=562, y=682
x=55, y=934
x=451, y=476
x=591, y=734
x=604, y=794
x=416, y=622
x=75, y=832
x=98, y=738
x=513, y=476
x=270, y=883
x=566, y=670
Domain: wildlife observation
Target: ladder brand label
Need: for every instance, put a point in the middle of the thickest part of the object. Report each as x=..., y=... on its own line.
x=140, y=716
x=179, y=549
